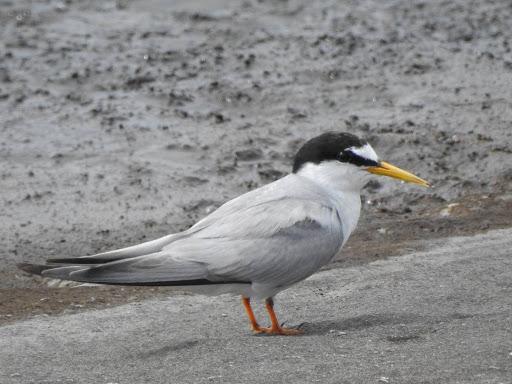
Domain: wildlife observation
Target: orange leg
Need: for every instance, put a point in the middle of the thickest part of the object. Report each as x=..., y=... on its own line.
x=247, y=305
x=275, y=328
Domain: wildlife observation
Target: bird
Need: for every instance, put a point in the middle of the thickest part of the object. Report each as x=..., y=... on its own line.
x=257, y=244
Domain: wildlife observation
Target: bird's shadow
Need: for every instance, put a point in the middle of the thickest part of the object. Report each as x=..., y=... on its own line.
x=358, y=323
x=165, y=350
x=325, y=327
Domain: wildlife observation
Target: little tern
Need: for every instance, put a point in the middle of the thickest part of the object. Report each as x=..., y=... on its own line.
x=257, y=244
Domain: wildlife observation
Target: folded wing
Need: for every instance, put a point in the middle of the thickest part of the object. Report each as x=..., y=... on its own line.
x=271, y=235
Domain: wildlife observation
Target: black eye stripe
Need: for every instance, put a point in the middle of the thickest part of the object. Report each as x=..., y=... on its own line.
x=331, y=146
x=348, y=156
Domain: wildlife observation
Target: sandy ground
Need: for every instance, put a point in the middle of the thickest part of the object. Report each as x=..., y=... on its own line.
x=123, y=121
x=439, y=316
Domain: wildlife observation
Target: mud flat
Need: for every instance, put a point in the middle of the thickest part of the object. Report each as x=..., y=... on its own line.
x=123, y=121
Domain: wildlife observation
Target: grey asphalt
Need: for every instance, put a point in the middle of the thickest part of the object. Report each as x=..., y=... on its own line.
x=439, y=316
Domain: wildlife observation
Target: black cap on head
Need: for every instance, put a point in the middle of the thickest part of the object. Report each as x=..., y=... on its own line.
x=331, y=146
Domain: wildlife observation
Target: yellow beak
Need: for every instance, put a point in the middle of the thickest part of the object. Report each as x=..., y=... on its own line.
x=390, y=170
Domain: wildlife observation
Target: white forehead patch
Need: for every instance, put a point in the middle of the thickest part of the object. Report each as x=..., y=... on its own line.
x=366, y=152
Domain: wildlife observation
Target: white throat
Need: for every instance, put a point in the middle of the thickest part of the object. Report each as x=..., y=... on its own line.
x=343, y=183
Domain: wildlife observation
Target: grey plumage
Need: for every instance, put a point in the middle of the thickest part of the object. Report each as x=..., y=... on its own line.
x=270, y=238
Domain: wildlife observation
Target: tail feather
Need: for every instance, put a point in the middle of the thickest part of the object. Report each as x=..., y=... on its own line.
x=34, y=269
x=148, y=270
x=143, y=265
x=63, y=272
x=57, y=267
x=47, y=270
x=88, y=274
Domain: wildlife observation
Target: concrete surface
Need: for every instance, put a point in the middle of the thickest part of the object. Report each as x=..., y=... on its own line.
x=439, y=316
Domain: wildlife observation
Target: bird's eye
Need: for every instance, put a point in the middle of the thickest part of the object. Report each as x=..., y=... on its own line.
x=344, y=156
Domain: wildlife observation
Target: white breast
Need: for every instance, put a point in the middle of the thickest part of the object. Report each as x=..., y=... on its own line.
x=348, y=205
x=343, y=183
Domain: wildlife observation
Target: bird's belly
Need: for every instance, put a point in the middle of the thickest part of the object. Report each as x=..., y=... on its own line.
x=218, y=289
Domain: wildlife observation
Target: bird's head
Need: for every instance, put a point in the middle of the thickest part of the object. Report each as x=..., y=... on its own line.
x=344, y=161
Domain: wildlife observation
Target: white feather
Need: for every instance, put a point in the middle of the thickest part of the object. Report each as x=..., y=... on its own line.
x=366, y=151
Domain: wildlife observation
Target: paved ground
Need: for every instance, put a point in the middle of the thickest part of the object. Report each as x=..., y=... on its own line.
x=439, y=316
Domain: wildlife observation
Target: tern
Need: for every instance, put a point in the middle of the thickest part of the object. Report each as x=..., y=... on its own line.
x=257, y=244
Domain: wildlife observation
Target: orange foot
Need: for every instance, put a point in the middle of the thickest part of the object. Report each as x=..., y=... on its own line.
x=277, y=331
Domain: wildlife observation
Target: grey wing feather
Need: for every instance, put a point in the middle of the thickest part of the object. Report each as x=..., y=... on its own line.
x=289, y=255
x=145, y=248
x=291, y=187
x=271, y=253
x=269, y=192
x=278, y=234
x=147, y=269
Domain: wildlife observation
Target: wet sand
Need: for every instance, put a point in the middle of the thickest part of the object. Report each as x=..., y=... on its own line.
x=124, y=121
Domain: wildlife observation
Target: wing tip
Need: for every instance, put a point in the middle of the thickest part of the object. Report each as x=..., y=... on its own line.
x=79, y=260
x=32, y=269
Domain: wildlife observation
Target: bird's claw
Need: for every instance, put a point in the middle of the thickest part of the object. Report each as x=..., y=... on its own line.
x=277, y=331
